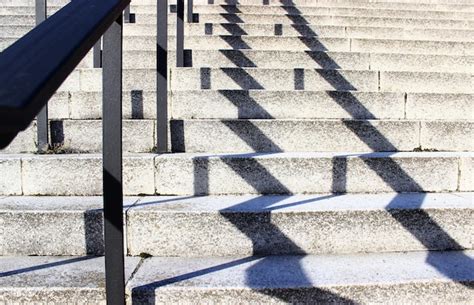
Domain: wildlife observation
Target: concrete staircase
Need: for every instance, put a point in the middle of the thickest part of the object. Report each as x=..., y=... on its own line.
x=322, y=153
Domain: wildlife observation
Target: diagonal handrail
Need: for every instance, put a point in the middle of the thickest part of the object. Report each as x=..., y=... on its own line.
x=34, y=67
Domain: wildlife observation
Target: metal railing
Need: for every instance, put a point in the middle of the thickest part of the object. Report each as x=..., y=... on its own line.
x=42, y=124
x=34, y=67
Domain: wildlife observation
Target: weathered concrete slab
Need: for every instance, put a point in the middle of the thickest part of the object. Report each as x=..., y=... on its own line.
x=10, y=179
x=86, y=135
x=420, y=277
x=58, y=280
x=25, y=141
x=430, y=82
x=295, y=173
x=52, y=225
x=77, y=174
x=259, y=104
x=306, y=135
x=433, y=106
x=448, y=135
x=301, y=224
x=146, y=18
x=273, y=79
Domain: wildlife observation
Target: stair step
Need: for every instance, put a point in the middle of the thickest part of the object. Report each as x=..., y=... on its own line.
x=419, y=277
x=402, y=3
x=199, y=29
x=258, y=104
x=53, y=225
x=242, y=225
x=319, y=20
x=322, y=11
x=335, y=31
x=55, y=279
x=416, y=277
x=276, y=173
x=296, y=173
x=144, y=43
x=315, y=79
x=320, y=135
x=86, y=136
x=307, y=59
x=269, y=10
x=300, y=224
x=71, y=174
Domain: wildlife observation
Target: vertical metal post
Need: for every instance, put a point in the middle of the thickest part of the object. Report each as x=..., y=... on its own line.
x=180, y=34
x=190, y=11
x=162, y=76
x=112, y=164
x=42, y=129
x=126, y=14
x=97, y=54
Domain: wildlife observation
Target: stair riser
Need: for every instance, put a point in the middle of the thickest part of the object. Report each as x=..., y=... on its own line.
x=74, y=136
x=10, y=34
x=224, y=234
x=309, y=11
x=303, y=135
x=402, y=4
x=260, y=79
x=52, y=233
x=80, y=175
x=401, y=293
x=183, y=176
x=265, y=105
x=180, y=175
x=200, y=29
x=308, y=44
x=241, y=225
x=406, y=3
x=324, y=105
x=230, y=104
x=268, y=10
x=307, y=59
x=320, y=20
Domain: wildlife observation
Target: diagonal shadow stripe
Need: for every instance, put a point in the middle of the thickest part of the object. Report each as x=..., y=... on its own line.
x=393, y=174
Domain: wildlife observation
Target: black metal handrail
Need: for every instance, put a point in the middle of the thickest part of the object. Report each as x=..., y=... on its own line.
x=33, y=68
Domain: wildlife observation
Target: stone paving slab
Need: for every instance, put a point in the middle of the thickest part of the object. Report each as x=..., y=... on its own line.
x=298, y=224
x=55, y=279
x=416, y=278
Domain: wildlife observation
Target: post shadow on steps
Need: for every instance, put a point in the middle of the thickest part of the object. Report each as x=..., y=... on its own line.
x=136, y=99
x=392, y=174
x=66, y=261
x=273, y=239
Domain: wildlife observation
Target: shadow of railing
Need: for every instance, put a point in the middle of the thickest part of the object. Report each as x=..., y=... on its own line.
x=275, y=241
x=393, y=175
x=66, y=261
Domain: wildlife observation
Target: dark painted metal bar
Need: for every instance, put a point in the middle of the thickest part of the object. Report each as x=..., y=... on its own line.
x=112, y=164
x=162, y=76
x=97, y=54
x=42, y=125
x=33, y=68
x=180, y=34
x=40, y=9
x=190, y=11
x=126, y=15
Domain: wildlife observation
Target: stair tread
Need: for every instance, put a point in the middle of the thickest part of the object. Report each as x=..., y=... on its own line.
x=342, y=278
x=301, y=203
x=379, y=276
x=244, y=203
